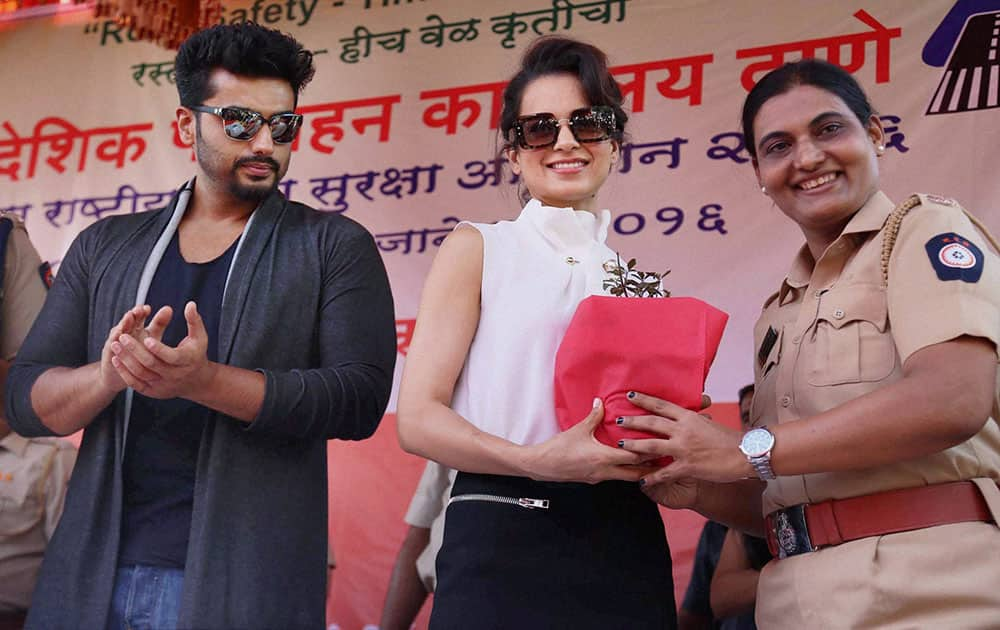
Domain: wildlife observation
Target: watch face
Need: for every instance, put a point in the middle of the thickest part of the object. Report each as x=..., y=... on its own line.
x=757, y=442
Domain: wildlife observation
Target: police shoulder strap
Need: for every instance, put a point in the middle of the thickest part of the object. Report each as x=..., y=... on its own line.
x=895, y=220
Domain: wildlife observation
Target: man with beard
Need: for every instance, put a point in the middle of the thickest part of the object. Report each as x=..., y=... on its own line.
x=208, y=350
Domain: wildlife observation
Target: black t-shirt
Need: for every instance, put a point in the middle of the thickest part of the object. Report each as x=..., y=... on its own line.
x=161, y=450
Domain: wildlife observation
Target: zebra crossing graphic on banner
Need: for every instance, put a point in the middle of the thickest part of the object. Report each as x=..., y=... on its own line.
x=972, y=78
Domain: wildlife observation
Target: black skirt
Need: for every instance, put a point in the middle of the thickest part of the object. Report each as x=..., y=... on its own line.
x=596, y=557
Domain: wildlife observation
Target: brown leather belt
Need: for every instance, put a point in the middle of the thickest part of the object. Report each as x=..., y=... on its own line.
x=811, y=526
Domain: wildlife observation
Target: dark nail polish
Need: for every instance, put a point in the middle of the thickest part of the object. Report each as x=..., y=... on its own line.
x=619, y=420
x=631, y=394
x=642, y=482
x=621, y=443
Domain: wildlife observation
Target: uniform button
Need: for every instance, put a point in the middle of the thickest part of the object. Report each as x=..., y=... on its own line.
x=817, y=293
x=839, y=313
x=786, y=401
x=796, y=339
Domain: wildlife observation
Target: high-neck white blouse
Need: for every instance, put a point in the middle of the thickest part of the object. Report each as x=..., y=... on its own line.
x=536, y=270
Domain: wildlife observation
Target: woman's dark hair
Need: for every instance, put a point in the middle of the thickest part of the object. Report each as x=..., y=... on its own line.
x=562, y=55
x=245, y=49
x=814, y=72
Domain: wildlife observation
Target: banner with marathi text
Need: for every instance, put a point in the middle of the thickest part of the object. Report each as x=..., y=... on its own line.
x=399, y=134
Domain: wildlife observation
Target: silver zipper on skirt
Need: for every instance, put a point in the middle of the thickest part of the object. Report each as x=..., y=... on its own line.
x=492, y=498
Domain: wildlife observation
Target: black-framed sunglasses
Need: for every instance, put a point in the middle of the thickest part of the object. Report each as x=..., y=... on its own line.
x=243, y=124
x=587, y=124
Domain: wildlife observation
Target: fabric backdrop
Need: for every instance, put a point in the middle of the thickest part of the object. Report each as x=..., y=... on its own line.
x=399, y=135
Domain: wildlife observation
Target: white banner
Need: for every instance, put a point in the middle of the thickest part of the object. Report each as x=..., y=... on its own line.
x=399, y=126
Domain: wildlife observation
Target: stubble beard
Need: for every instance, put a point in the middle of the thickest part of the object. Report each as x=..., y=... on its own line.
x=258, y=190
x=210, y=162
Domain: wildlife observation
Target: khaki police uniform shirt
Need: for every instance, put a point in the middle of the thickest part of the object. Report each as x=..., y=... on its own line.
x=33, y=473
x=33, y=478
x=23, y=290
x=841, y=334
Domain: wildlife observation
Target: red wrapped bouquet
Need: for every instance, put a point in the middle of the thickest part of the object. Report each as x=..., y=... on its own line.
x=616, y=343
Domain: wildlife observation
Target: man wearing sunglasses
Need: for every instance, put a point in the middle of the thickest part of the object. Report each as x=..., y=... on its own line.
x=208, y=350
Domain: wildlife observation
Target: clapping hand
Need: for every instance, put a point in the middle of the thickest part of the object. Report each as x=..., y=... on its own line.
x=130, y=325
x=154, y=369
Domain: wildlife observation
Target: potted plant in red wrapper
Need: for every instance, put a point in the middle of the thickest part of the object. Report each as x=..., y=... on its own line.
x=623, y=341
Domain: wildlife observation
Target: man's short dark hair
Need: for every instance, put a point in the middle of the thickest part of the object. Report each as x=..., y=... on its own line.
x=246, y=49
x=746, y=389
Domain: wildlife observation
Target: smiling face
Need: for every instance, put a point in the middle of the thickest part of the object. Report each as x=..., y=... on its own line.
x=816, y=160
x=568, y=173
x=247, y=171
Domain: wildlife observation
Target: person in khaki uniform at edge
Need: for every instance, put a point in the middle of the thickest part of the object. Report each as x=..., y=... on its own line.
x=33, y=473
x=876, y=404
x=414, y=574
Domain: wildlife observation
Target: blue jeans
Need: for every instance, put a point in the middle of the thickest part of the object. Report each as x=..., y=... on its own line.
x=145, y=598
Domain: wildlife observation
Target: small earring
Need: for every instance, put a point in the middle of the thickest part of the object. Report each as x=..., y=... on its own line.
x=763, y=189
x=880, y=148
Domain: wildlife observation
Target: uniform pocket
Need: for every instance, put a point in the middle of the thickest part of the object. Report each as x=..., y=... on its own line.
x=850, y=342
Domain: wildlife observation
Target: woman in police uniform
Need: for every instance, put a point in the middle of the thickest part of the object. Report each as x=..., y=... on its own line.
x=876, y=405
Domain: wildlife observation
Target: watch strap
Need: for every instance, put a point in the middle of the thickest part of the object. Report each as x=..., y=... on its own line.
x=762, y=466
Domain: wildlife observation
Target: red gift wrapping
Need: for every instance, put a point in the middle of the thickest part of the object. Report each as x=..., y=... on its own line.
x=663, y=347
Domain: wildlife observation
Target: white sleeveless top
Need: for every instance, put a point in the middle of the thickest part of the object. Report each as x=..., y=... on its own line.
x=536, y=270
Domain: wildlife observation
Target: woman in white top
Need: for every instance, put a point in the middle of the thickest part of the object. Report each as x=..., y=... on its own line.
x=544, y=529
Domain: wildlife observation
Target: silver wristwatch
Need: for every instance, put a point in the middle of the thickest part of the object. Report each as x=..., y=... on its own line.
x=756, y=445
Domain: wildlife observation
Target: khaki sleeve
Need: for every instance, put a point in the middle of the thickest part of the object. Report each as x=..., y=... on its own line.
x=23, y=291
x=941, y=287
x=427, y=500
x=56, y=484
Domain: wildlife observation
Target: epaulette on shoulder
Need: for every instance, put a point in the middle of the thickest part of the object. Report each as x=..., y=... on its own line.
x=930, y=200
x=947, y=204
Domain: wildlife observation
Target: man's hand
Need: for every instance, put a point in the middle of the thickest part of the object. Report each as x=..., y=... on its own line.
x=154, y=369
x=130, y=325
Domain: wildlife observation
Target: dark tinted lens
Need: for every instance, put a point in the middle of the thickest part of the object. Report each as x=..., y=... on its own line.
x=594, y=124
x=284, y=127
x=241, y=124
x=539, y=131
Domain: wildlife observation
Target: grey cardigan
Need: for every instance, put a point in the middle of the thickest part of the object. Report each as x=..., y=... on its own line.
x=308, y=305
